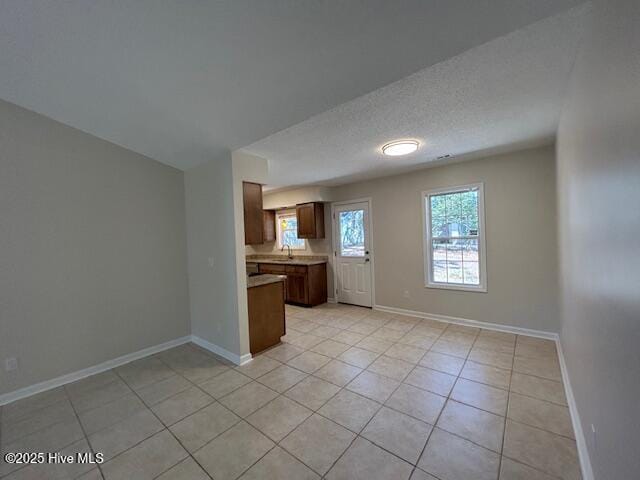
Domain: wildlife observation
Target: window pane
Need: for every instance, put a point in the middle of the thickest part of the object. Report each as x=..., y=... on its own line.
x=471, y=273
x=470, y=212
x=290, y=222
x=290, y=237
x=454, y=272
x=439, y=248
x=454, y=209
x=470, y=262
x=438, y=216
x=454, y=216
x=439, y=226
x=470, y=250
x=352, y=233
x=454, y=251
x=440, y=271
x=288, y=228
x=439, y=258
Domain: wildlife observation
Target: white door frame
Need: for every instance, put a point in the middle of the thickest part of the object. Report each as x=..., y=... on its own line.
x=334, y=243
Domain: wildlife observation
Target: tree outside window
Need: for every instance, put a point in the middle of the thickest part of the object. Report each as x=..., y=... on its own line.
x=287, y=223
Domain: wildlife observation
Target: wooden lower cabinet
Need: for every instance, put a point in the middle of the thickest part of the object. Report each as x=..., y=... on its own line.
x=297, y=288
x=266, y=315
x=306, y=284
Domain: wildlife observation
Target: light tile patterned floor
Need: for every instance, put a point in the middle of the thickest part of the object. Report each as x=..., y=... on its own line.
x=349, y=394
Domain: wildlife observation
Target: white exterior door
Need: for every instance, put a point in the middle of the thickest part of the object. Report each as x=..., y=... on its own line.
x=352, y=253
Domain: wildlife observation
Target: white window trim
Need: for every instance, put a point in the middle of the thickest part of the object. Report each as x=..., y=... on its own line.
x=286, y=213
x=426, y=239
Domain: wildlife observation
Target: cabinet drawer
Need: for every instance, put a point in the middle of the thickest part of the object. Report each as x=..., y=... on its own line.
x=296, y=269
x=271, y=268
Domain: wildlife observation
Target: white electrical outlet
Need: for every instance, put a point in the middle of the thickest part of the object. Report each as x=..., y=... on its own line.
x=11, y=364
x=406, y=294
x=211, y=262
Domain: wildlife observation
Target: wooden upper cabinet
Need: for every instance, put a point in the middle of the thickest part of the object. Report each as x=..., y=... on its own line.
x=310, y=220
x=269, y=225
x=253, y=213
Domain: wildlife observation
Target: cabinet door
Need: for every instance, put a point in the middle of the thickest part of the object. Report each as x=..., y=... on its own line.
x=305, y=215
x=297, y=288
x=269, y=223
x=266, y=316
x=253, y=216
x=310, y=220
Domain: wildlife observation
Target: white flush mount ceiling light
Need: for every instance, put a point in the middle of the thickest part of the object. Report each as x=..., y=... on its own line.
x=400, y=147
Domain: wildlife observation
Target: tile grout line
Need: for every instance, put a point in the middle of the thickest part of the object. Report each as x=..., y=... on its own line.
x=147, y=407
x=448, y=397
x=340, y=387
x=57, y=422
x=165, y=428
x=314, y=412
x=414, y=466
x=51, y=425
x=84, y=432
x=477, y=335
x=505, y=433
x=424, y=448
x=69, y=399
x=215, y=400
x=506, y=414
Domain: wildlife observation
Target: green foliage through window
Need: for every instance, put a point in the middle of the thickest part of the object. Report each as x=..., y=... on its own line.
x=352, y=233
x=288, y=231
x=454, y=237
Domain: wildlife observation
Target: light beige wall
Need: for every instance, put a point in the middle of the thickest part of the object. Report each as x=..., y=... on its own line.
x=520, y=201
x=294, y=196
x=246, y=168
x=215, y=232
x=92, y=250
x=212, y=253
x=599, y=199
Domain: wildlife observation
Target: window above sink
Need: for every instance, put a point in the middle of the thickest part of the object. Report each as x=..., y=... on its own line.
x=287, y=231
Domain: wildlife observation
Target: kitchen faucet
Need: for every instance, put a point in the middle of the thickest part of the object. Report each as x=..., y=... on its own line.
x=288, y=250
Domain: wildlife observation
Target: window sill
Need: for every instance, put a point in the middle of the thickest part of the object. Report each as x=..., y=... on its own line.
x=462, y=288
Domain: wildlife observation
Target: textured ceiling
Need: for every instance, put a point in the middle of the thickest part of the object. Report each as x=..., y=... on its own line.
x=179, y=80
x=502, y=95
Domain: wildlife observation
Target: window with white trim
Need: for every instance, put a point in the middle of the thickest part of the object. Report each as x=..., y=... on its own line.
x=287, y=229
x=454, y=241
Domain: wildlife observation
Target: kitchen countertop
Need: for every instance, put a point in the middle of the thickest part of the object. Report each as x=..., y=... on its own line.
x=285, y=261
x=264, y=279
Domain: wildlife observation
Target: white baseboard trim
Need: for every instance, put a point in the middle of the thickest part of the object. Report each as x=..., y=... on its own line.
x=581, y=442
x=469, y=323
x=86, y=372
x=224, y=353
x=331, y=300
